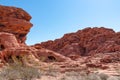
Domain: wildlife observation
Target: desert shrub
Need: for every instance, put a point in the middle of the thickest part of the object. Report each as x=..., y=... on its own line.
x=91, y=76
x=80, y=76
x=113, y=78
x=17, y=72
x=51, y=71
x=103, y=76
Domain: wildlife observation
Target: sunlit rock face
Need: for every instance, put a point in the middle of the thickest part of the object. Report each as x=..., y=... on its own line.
x=16, y=21
x=7, y=40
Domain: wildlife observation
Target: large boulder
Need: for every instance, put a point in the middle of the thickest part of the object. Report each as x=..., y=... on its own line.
x=16, y=21
x=7, y=40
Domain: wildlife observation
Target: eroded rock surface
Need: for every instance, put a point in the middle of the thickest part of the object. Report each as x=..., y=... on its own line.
x=16, y=21
x=8, y=40
x=88, y=41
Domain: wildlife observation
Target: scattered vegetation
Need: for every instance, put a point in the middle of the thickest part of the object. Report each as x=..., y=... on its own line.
x=16, y=72
x=19, y=72
x=91, y=76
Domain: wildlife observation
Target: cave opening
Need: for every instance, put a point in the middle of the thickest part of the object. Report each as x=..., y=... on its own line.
x=51, y=58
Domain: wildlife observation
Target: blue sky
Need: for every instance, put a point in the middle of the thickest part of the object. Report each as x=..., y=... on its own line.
x=53, y=18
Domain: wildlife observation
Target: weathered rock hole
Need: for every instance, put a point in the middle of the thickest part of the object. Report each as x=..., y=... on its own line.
x=18, y=57
x=2, y=47
x=51, y=58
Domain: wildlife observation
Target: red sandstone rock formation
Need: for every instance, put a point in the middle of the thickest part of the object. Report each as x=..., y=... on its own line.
x=14, y=26
x=10, y=48
x=16, y=21
x=11, y=51
x=46, y=55
x=8, y=40
x=88, y=41
x=111, y=58
x=102, y=44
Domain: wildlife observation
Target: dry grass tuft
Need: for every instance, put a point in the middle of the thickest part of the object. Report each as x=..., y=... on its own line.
x=18, y=72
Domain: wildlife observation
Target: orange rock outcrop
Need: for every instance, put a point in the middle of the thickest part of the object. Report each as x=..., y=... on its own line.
x=14, y=26
x=16, y=21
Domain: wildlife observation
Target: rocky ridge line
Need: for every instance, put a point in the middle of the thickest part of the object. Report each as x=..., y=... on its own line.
x=88, y=41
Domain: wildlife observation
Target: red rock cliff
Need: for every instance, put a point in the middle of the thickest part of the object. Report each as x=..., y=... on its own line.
x=85, y=42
